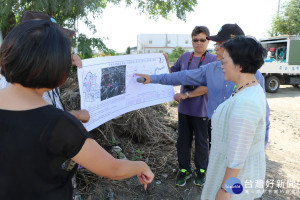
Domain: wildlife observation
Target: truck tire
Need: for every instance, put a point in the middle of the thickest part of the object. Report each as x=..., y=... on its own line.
x=296, y=86
x=272, y=84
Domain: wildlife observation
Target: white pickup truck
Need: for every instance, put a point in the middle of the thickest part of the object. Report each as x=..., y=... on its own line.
x=282, y=65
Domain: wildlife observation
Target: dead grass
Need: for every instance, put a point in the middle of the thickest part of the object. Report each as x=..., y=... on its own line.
x=147, y=134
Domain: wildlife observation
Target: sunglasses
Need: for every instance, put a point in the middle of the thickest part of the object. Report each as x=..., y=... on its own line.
x=199, y=40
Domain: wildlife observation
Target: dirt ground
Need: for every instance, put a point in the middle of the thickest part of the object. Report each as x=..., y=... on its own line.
x=283, y=150
x=283, y=156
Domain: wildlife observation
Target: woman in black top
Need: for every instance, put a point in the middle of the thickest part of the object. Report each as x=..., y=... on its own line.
x=36, y=139
x=53, y=96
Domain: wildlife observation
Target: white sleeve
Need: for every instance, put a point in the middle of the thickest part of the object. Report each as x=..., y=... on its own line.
x=3, y=82
x=53, y=99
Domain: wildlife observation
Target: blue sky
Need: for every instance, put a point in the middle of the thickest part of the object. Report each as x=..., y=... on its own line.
x=121, y=25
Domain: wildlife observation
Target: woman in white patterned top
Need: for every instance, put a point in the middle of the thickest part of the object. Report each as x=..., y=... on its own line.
x=238, y=127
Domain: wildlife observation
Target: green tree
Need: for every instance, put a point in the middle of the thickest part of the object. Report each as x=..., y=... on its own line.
x=67, y=12
x=177, y=51
x=128, y=50
x=287, y=21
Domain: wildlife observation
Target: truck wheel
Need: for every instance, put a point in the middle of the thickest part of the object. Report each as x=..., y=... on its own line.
x=272, y=84
x=296, y=86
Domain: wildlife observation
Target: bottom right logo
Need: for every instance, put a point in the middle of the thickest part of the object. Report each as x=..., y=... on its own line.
x=233, y=185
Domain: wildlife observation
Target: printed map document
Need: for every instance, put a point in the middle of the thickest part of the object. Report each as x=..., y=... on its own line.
x=108, y=86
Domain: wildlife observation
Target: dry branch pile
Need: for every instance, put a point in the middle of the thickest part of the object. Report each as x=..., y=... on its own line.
x=147, y=134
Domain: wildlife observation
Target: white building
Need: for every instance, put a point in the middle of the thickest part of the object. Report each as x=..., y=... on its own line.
x=157, y=43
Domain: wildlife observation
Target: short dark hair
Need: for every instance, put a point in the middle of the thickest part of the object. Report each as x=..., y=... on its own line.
x=36, y=54
x=246, y=52
x=200, y=29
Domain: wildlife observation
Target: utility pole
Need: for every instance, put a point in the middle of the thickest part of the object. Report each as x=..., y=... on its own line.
x=278, y=7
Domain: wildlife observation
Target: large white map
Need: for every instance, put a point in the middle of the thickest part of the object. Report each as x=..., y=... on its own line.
x=108, y=86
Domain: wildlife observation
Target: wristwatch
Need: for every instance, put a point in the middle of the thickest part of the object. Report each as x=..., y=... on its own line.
x=187, y=94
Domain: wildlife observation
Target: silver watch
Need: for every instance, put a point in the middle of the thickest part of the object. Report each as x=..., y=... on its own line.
x=187, y=94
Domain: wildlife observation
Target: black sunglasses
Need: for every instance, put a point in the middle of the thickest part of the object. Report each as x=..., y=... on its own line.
x=201, y=40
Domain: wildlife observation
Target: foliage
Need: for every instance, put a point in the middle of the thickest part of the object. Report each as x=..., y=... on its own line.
x=174, y=104
x=128, y=50
x=86, y=46
x=177, y=51
x=156, y=8
x=121, y=155
x=139, y=155
x=113, y=141
x=288, y=20
x=175, y=54
x=64, y=12
x=67, y=12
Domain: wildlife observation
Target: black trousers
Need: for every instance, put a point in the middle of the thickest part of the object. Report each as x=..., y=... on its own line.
x=209, y=132
x=187, y=127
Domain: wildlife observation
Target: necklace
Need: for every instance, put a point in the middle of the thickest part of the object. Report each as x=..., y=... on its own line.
x=237, y=90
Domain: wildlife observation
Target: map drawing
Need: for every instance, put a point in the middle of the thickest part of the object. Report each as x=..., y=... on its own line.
x=91, y=89
x=108, y=86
